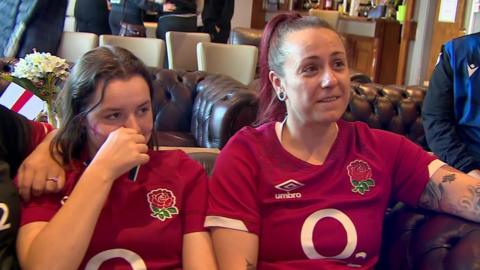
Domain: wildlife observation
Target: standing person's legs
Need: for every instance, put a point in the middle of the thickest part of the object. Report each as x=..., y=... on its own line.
x=223, y=35
x=96, y=27
x=114, y=21
x=176, y=23
x=218, y=37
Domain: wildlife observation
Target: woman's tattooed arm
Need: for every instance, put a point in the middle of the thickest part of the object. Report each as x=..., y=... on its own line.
x=452, y=192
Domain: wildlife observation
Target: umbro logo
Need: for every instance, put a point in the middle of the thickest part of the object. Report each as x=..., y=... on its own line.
x=471, y=68
x=288, y=186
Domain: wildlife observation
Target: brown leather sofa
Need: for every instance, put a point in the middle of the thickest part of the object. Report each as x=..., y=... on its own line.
x=389, y=107
x=199, y=109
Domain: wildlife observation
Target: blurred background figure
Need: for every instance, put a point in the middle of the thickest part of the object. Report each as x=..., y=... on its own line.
x=25, y=25
x=451, y=115
x=129, y=11
x=177, y=15
x=92, y=16
x=216, y=17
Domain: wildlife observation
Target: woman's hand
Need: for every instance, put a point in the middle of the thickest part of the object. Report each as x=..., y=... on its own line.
x=169, y=7
x=124, y=149
x=39, y=172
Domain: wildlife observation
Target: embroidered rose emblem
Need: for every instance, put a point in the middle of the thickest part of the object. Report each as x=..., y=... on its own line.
x=161, y=198
x=359, y=170
x=360, y=176
x=162, y=203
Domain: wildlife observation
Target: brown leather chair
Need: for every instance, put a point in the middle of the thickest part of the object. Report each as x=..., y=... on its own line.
x=199, y=109
x=245, y=36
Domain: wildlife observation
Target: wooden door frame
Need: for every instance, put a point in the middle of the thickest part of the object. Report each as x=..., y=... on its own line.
x=408, y=34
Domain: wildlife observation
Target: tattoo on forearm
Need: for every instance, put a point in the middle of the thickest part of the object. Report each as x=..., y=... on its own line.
x=449, y=178
x=467, y=206
x=432, y=196
x=250, y=265
x=470, y=203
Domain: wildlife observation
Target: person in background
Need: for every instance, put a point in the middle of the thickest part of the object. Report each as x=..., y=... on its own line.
x=129, y=11
x=24, y=24
x=451, y=109
x=306, y=189
x=216, y=18
x=92, y=16
x=18, y=136
x=177, y=15
x=109, y=215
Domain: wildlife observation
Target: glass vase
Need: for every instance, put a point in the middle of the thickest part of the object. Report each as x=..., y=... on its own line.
x=52, y=117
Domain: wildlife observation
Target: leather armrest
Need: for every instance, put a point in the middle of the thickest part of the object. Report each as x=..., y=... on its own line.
x=222, y=106
x=419, y=239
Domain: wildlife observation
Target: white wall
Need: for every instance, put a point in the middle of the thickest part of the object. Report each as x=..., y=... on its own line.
x=242, y=15
x=419, y=49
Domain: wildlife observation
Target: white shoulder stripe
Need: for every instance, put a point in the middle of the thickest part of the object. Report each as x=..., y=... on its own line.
x=218, y=221
x=434, y=166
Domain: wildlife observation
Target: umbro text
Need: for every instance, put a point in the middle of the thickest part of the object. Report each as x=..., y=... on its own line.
x=288, y=195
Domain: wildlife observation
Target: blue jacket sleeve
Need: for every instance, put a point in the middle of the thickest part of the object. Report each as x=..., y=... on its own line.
x=439, y=119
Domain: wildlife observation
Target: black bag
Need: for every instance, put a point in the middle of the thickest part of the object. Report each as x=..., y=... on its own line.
x=132, y=30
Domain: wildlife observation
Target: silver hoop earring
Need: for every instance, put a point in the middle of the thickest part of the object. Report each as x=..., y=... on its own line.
x=281, y=95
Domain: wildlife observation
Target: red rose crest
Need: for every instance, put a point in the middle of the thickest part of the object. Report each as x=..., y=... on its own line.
x=162, y=203
x=360, y=176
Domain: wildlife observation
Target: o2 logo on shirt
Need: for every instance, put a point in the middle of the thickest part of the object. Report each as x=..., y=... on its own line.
x=4, y=217
x=136, y=262
x=306, y=235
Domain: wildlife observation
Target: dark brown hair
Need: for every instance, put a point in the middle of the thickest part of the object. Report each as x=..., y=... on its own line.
x=95, y=68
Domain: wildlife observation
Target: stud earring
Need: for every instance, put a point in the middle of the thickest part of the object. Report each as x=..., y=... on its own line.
x=281, y=95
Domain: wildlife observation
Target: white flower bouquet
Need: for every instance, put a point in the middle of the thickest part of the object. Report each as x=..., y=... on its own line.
x=41, y=73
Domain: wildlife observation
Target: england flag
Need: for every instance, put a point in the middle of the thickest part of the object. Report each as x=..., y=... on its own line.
x=21, y=101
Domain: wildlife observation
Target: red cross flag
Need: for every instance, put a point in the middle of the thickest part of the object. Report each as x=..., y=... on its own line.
x=21, y=101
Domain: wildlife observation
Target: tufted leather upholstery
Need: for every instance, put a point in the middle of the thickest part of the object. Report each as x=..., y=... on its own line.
x=199, y=109
x=415, y=239
x=392, y=107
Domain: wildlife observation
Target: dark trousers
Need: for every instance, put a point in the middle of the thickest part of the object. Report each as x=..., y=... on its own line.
x=176, y=23
x=117, y=15
x=99, y=28
x=218, y=37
